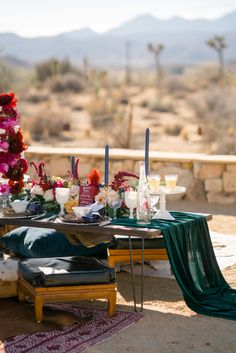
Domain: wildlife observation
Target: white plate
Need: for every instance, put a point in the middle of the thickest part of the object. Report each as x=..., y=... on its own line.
x=176, y=190
x=15, y=215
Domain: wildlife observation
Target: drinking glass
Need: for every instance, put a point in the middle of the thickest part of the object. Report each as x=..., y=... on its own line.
x=154, y=183
x=4, y=201
x=62, y=196
x=171, y=181
x=131, y=201
x=115, y=205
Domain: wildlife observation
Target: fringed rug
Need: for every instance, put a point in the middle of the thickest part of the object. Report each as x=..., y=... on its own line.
x=74, y=338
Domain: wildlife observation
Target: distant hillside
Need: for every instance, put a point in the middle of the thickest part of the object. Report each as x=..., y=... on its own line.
x=184, y=42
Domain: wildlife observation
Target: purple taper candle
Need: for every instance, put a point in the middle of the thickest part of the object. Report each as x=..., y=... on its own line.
x=106, y=173
x=147, y=136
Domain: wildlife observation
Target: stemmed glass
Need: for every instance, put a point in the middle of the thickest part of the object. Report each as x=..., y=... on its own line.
x=131, y=201
x=62, y=196
x=154, y=184
x=115, y=204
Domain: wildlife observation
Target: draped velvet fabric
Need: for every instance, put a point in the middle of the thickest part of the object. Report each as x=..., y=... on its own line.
x=194, y=264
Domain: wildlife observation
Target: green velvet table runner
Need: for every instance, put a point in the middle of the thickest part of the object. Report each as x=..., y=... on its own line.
x=194, y=264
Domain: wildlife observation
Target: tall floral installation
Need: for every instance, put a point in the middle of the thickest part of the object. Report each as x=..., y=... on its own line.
x=13, y=165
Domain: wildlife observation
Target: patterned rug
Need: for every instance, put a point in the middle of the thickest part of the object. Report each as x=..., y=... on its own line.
x=74, y=338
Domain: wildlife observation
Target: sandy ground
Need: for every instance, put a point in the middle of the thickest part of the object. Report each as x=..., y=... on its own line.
x=168, y=325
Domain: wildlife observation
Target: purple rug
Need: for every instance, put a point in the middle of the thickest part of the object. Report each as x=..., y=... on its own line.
x=74, y=338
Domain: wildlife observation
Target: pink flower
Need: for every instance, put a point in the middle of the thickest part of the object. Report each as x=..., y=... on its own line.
x=7, y=160
x=58, y=184
x=4, y=189
x=4, y=168
x=4, y=145
x=8, y=123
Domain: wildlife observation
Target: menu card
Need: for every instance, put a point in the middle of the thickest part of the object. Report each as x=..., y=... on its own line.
x=87, y=194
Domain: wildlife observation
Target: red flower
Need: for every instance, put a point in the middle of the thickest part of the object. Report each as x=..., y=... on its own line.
x=16, y=143
x=120, y=179
x=17, y=172
x=8, y=99
x=8, y=117
x=15, y=186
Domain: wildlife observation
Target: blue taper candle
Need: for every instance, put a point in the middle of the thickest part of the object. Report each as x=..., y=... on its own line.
x=72, y=160
x=147, y=137
x=106, y=173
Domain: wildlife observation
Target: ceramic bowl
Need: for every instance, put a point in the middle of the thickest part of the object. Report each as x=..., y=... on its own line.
x=81, y=211
x=19, y=205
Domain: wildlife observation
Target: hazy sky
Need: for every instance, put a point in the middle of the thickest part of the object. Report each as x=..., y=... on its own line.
x=47, y=17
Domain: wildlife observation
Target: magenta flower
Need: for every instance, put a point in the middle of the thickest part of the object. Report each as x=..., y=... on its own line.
x=7, y=160
x=4, y=189
x=3, y=167
x=4, y=145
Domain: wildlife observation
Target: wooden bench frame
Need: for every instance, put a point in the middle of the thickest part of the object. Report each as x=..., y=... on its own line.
x=41, y=295
x=123, y=255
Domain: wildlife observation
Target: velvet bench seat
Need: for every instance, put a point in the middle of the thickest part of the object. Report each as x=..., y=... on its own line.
x=119, y=252
x=66, y=279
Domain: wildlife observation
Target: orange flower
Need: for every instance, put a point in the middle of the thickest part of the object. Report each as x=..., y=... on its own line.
x=94, y=177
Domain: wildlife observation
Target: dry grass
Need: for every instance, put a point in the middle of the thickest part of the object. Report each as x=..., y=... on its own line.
x=190, y=113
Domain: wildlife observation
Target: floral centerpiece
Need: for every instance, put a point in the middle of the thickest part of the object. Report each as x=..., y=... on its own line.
x=43, y=189
x=13, y=165
x=82, y=192
x=122, y=182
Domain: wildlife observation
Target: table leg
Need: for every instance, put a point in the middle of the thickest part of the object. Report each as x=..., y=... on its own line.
x=132, y=271
x=132, y=275
x=142, y=275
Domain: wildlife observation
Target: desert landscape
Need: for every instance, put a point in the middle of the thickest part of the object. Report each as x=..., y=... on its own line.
x=183, y=115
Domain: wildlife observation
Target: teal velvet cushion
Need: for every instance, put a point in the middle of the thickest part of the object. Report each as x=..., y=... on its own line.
x=41, y=242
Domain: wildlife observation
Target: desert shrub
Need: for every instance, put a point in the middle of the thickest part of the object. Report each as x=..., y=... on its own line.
x=7, y=76
x=67, y=82
x=173, y=130
x=101, y=106
x=52, y=68
x=144, y=103
x=216, y=110
x=36, y=97
x=175, y=84
x=162, y=107
x=201, y=77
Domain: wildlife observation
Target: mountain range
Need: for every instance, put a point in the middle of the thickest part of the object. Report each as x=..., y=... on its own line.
x=184, y=43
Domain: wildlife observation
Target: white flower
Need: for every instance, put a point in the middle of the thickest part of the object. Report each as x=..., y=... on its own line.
x=74, y=190
x=48, y=195
x=101, y=197
x=37, y=190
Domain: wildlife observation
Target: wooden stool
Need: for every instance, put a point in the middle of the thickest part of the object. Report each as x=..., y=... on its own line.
x=50, y=292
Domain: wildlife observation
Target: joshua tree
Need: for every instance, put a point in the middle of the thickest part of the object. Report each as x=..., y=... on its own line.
x=156, y=50
x=218, y=44
x=127, y=63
